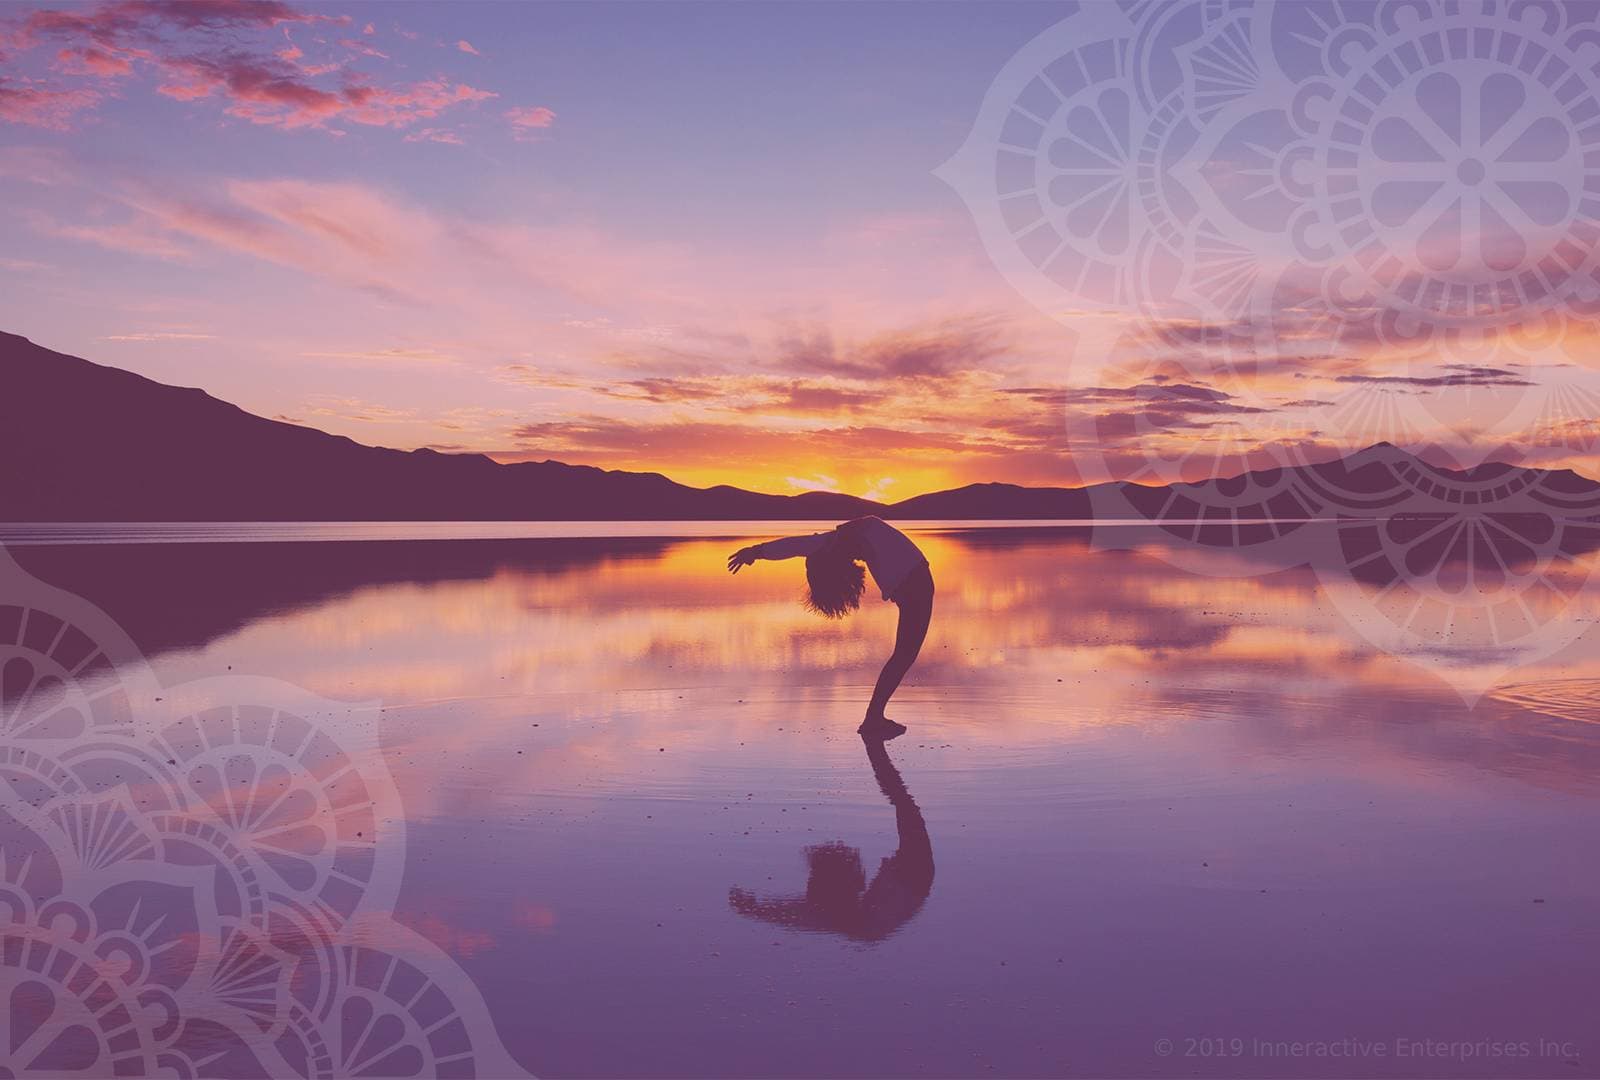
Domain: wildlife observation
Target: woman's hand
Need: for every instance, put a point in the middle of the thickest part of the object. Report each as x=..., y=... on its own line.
x=743, y=557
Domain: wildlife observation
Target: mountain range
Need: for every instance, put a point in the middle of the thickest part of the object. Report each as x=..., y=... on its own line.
x=81, y=441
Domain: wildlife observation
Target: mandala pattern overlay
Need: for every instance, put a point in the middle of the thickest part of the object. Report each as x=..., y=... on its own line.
x=1241, y=182
x=200, y=880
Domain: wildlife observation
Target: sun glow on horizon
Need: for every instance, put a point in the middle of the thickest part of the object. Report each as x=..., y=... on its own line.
x=376, y=232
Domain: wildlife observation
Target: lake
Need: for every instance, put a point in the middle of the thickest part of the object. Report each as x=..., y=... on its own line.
x=1150, y=819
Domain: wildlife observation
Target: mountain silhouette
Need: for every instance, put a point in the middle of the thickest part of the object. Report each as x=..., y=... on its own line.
x=84, y=442
x=81, y=441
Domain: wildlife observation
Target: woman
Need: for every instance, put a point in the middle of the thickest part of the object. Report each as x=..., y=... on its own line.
x=834, y=581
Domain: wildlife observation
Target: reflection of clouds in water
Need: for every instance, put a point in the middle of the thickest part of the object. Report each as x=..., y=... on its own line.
x=617, y=657
x=1011, y=610
x=202, y=879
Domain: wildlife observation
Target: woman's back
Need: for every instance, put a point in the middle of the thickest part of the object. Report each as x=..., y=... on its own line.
x=890, y=554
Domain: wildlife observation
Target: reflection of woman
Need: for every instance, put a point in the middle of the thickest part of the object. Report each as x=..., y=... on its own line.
x=834, y=581
x=837, y=898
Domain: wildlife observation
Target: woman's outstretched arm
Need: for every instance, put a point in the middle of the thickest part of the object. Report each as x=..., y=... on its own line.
x=790, y=547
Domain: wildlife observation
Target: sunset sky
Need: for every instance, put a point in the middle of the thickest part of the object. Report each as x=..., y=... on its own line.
x=706, y=240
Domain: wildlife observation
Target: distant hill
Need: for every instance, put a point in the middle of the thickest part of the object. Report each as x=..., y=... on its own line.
x=80, y=441
x=83, y=442
x=997, y=502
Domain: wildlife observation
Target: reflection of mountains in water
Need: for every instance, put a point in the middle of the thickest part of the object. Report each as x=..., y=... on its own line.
x=173, y=596
x=178, y=595
x=169, y=596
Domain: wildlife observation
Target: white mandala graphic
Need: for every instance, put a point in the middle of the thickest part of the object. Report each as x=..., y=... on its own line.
x=1232, y=179
x=183, y=872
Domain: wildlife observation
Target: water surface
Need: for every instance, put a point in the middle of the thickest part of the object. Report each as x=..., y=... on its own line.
x=1145, y=823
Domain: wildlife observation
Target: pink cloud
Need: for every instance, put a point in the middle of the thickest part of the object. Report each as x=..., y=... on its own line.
x=341, y=232
x=256, y=92
x=90, y=60
x=466, y=47
x=400, y=106
x=439, y=135
x=40, y=107
x=294, y=55
x=204, y=50
x=363, y=48
x=266, y=95
x=219, y=225
x=38, y=165
x=368, y=240
x=138, y=238
x=113, y=21
x=528, y=120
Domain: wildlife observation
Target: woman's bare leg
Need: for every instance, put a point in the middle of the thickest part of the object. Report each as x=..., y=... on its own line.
x=915, y=614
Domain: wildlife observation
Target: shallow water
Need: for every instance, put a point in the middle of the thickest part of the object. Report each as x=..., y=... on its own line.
x=1146, y=822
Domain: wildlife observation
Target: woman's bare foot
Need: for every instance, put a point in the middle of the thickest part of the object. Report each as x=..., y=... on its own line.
x=880, y=727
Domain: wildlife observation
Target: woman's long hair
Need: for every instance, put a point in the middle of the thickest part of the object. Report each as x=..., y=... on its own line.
x=834, y=582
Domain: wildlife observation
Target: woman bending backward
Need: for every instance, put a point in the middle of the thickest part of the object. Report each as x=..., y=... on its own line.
x=834, y=583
